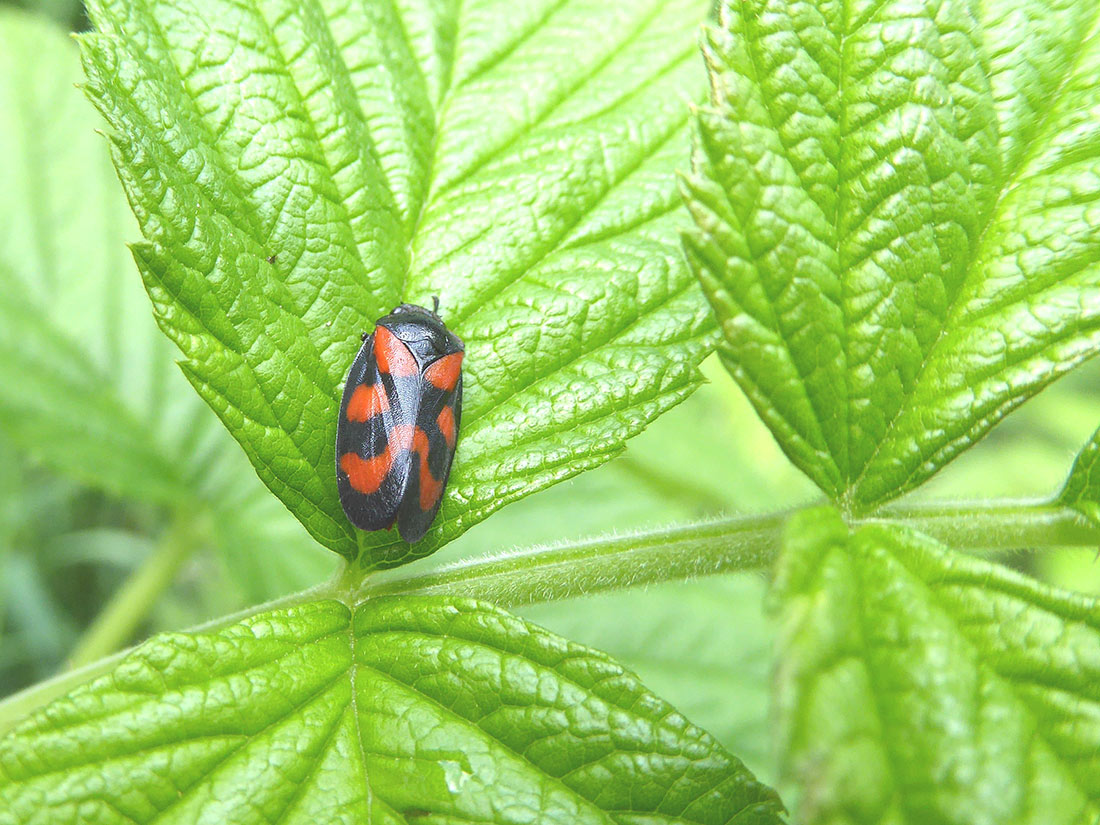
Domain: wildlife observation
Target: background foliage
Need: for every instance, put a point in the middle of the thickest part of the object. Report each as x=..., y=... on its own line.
x=76, y=521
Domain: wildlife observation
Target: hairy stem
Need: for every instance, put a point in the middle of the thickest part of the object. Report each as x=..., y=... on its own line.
x=601, y=564
x=994, y=525
x=726, y=545
x=597, y=565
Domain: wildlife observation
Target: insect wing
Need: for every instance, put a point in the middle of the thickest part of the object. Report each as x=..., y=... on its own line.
x=374, y=435
x=436, y=432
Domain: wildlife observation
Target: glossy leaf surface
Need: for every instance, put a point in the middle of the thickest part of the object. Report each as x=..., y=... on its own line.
x=896, y=222
x=403, y=710
x=299, y=169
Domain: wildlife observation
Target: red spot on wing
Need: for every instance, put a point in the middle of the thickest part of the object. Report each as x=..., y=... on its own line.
x=446, y=421
x=444, y=372
x=367, y=402
x=391, y=354
x=430, y=488
x=365, y=475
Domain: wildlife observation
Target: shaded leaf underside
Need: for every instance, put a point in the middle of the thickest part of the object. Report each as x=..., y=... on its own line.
x=515, y=162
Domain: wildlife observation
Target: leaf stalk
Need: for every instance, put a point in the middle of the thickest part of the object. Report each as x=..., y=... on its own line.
x=586, y=567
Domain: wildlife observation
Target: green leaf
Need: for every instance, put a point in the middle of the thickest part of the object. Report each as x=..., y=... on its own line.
x=57, y=405
x=895, y=222
x=1025, y=456
x=1082, y=489
x=403, y=710
x=298, y=169
x=87, y=383
x=918, y=685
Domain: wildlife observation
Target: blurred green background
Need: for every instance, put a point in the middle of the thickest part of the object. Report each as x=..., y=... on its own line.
x=112, y=470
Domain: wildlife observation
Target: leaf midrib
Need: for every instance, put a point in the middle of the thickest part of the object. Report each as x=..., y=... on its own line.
x=890, y=757
x=451, y=63
x=437, y=107
x=555, y=664
x=353, y=705
x=436, y=197
x=661, y=723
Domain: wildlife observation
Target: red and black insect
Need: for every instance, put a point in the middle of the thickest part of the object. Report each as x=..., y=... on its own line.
x=399, y=422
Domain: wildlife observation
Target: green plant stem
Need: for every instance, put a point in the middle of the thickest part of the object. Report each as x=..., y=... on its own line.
x=115, y=625
x=994, y=525
x=617, y=562
x=744, y=543
x=597, y=565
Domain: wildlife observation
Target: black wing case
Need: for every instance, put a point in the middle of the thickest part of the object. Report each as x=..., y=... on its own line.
x=372, y=448
x=437, y=423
